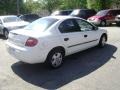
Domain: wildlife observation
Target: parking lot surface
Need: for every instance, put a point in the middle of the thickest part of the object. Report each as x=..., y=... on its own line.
x=92, y=69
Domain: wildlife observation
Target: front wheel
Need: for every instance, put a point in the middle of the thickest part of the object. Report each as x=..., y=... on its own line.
x=55, y=58
x=6, y=34
x=102, y=41
x=103, y=23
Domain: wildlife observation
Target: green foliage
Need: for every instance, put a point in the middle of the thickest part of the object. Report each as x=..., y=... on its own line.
x=31, y=7
x=99, y=4
x=73, y=4
x=10, y=6
x=50, y=5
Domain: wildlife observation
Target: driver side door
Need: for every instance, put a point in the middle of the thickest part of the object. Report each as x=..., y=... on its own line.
x=88, y=33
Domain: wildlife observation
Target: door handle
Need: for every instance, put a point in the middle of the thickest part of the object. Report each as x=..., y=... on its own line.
x=66, y=39
x=85, y=36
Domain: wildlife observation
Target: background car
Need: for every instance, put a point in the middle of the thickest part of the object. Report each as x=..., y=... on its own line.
x=61, y=12
x=10, y=22
x=49, y=39
x=29, y=17
x=83, y=13
x=117, y=20
x=104, y=17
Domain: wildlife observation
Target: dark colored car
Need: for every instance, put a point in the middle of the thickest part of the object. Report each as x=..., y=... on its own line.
x=29, y=17
x=104, y=17
x=83, y=13
x=61, y=12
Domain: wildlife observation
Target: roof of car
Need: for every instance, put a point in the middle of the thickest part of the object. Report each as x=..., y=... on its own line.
x=83, y=9
x=1, y=17
x=65, y=10
x=61, y=17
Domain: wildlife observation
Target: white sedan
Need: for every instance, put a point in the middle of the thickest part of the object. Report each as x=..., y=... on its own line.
x=49, y=39
x=10, y=22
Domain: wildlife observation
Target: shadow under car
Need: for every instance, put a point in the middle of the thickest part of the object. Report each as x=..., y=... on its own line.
x=75, y=66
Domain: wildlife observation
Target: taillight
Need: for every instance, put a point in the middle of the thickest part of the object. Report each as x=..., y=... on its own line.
x=31, y=42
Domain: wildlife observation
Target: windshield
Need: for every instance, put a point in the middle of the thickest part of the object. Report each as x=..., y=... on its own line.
x=11, y=19
x=102, y=13
x=75, y=12
x=41, y=24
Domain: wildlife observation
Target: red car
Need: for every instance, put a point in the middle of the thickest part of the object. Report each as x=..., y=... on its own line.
x=104, y=17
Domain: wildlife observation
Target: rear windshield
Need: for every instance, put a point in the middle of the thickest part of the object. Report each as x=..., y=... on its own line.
x=102, y=13
x=75, y=12
x=41, y=24
x=79, y=12
x=11, y=19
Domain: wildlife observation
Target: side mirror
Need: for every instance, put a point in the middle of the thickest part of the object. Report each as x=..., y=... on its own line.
x=95, y=28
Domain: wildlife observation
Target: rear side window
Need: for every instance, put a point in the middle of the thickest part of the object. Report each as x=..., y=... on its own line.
x=68, y=26
x=91, y=12
x=115, y=12
x=64, y=13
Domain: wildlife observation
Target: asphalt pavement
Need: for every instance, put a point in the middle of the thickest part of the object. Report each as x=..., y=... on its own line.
x=92, y=69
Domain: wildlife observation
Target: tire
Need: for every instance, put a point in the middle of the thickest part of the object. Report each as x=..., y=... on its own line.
x=102, y=41
x=6, y=33
x=103, y=23
x=118, y=23
x=55, y=58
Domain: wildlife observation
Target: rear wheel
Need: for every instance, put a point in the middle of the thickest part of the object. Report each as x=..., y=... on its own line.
x=102, y=41
x=55, y=58
x=118, y=23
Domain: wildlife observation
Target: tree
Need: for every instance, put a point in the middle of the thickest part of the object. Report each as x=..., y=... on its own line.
x=50, y=5
x=9, y=6
x=31, y=7
x=115, y=3
x=99, y=4
x=73, y=4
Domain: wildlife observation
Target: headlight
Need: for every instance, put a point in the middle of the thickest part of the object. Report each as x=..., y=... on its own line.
x=96, y=19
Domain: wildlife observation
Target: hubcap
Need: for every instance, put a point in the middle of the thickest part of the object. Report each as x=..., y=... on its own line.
x=103, y=23
x=56, y=59
x=6, y=34
x=103, y=41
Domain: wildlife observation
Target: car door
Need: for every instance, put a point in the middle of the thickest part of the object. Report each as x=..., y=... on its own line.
x=89, y=34
x=110, y=18
x=70, y=36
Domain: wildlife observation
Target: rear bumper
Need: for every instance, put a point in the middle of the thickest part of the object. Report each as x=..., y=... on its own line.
x=27, y=55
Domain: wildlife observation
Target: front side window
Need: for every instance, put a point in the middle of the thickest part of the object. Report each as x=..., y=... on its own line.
x=68, y=26
x=84, y=26
x=41, y=24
